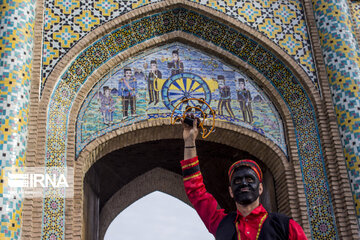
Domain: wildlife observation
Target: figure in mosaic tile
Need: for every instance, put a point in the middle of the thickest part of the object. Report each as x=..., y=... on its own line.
x=225, y=97
x=107, y=105
x=152, y=79
x=244, y=98
x=176, y=65
x=127, y=92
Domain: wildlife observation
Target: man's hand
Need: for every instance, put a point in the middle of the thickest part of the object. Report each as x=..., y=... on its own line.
x=189, y=135
x=190, y=132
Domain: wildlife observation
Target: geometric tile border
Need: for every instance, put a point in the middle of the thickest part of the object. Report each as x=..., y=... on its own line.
x=16, y=46
x=355, y=5
x=67, y=22
x=282, y=21
x=355, y=12
x=318, y=200
x=341, y=55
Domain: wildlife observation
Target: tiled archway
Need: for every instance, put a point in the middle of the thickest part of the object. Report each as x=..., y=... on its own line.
x=131, y=153
x=293, y=93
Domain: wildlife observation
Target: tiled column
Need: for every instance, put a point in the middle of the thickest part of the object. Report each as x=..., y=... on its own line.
x=341, y=56
x=16, y=45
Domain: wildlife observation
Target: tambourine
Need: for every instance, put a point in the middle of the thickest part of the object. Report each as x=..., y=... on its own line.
x=199, y=114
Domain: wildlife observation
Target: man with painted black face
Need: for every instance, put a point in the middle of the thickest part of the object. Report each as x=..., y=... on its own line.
x=251, y=221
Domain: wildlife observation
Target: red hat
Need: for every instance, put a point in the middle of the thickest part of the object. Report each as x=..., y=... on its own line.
x=247, y=163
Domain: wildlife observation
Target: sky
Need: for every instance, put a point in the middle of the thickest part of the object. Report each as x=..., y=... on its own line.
x=158, y=216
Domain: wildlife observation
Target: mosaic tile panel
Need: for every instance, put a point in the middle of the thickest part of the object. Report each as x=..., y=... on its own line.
x=16, y=43
x=355, y=7
x=66, y=22
x=321, y=216
x=244, y=105
x=341, y=55
x=282, y=21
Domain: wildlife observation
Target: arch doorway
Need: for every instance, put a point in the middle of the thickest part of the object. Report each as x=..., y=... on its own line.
x=123, y=176
x=159, y=216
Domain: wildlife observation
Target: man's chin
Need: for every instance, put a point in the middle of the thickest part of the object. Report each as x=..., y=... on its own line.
x=245, y=200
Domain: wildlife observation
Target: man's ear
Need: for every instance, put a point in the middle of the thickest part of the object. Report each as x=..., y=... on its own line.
x=261, y=188
x=231, y=192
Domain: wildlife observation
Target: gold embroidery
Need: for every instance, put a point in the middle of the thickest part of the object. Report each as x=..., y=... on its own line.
x=192, y=176
x=190, y=164
x=259, y=228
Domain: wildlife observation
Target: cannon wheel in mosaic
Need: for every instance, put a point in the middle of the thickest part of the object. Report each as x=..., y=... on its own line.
x=184, y=86
x=282, y=79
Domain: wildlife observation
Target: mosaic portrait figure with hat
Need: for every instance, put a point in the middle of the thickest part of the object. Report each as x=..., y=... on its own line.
x=127, y=92
x=175, y=65
x=153, y=75
x=225, y=97
x=244, y=99
x=107, y=105
x=251, y=220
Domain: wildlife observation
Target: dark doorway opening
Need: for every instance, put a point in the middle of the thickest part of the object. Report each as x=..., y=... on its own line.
x=118, y=168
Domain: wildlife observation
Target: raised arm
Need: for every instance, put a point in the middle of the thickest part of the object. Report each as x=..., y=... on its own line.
x=189, y=134
x=204, y=203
